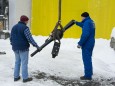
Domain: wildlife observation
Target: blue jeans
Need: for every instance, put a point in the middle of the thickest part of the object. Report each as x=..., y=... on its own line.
x=21, y=59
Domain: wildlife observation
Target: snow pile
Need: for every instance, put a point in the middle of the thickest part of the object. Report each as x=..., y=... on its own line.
x=113, y=33
x=67, y=66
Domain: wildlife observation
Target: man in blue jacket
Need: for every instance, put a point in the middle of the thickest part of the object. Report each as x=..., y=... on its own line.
x=86, y=43
x=20, y=39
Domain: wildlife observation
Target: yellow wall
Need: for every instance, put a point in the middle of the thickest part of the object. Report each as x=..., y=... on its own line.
x=45, y=16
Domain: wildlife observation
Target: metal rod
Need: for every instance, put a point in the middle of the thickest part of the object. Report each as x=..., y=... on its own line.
x=71, y=23
x=59, y=10
x=45, y=44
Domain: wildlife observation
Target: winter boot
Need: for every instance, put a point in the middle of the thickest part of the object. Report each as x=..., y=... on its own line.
x=27, y=80
x=85, y=78
x=16, y=79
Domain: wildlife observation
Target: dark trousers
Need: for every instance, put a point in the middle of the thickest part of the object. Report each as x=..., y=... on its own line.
x=87, y=61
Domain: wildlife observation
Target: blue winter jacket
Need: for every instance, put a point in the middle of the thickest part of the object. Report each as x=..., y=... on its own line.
x=88, y=33
x=18, y=38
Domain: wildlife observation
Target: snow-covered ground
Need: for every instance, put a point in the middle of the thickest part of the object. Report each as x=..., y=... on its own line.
x=67, y=66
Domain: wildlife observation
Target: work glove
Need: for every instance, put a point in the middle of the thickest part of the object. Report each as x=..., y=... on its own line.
x=74, y=21
x=38, y=48
x=78, y=46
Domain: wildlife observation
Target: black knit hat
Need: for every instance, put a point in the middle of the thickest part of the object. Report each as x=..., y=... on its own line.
x=85, y=14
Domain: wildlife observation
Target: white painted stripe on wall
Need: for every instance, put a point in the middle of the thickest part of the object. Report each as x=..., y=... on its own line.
x=18, y=8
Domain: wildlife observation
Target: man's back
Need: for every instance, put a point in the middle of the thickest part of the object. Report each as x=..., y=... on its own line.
x=18, y=39
x=88, y=30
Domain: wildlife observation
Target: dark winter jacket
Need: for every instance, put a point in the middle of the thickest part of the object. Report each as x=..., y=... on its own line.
x=18, y=39
x=88, y=33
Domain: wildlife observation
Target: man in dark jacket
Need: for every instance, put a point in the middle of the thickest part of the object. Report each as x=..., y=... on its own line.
x=20, y=39
x=87, y=43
